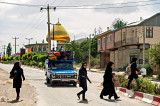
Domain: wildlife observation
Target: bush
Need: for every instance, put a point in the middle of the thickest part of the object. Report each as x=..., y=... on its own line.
x=41, y=58
x=158, y=75
x=9, y=58
x=95, y=61
x=35, y=63
x=3, y=58
x=31, y=63
x=12, y=57
x=24, y=56
x=141, y=84
x=17, y=57
x=35, y=58
x=40, y=65
x=149, y=69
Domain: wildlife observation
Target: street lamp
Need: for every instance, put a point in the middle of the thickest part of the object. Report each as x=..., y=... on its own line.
x=29, y=39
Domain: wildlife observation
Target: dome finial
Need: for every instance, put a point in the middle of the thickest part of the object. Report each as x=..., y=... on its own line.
x=58, y=19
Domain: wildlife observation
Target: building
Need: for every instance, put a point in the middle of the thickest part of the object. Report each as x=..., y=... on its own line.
x=128, y=41
x=105, y=43
x=60, y=35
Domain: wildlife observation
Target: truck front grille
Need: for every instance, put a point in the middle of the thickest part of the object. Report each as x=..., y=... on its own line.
x=66, y=76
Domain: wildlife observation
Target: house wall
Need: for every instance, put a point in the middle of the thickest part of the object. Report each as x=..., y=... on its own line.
x=110, y=45
x=156, y=36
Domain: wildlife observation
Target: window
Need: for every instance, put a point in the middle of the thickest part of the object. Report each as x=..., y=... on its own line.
x=149, y=32
x=98, y=41
x=35, y=49
x=44, y=48
x=110, y=38
x=39, y=49
x=104, y=40
x=66, y=66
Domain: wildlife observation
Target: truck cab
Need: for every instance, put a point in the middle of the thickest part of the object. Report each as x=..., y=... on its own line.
x=60, y=71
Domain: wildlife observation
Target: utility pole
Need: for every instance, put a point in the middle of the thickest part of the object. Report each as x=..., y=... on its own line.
x=143, y=45
x=4, y=47
x=29, y=39
x=49, y=39
x=89, y=51
x=15, y=44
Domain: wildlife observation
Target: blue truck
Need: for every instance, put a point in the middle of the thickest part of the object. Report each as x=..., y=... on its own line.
x=60, y=71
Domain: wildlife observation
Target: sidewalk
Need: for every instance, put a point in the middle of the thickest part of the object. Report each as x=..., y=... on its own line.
x=101, y=71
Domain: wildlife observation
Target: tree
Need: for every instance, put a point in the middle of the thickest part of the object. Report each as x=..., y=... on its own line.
x=118, y=23
x=154, y=54
x=75, y=49
x=94, y=45
x=9, y=49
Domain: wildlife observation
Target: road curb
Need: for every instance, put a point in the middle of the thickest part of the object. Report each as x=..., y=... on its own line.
x=148, y=98
x=156, y=101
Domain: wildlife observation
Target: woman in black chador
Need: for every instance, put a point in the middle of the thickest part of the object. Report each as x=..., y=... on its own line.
x=83, y=80
x=108, y=85
x=134, y=71
x=17, y=81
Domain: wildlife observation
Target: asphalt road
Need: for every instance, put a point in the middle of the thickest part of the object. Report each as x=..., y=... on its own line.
x=65, y=95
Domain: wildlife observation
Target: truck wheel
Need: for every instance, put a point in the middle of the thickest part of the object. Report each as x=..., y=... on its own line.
x=47, y=79
x=50, y=81
x=74, y=84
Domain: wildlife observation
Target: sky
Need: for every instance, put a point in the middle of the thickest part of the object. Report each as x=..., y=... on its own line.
x=29, y=22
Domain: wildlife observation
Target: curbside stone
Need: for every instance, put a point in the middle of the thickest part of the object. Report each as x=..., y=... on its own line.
x=130, y=93
x=138, y=95
x=156, y=101
x=147, y=98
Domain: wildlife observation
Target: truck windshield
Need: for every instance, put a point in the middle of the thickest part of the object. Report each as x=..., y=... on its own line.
x=67, y=66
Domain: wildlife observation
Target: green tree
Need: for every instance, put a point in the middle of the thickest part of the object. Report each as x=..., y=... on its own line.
x=94, y=45
x=9, y=49
x=154, y=54
x=84, y=46
x=75, y=49
x=118, y=23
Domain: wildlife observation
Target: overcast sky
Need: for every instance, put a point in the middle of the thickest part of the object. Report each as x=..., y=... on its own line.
x=26, y=22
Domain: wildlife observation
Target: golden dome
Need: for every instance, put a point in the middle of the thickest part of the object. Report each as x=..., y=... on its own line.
x=60, y=34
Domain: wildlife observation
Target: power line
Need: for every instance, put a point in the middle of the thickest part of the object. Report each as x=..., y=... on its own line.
x=60, y=3
x=31, y=5
x=105, y=4
x=111, y=7
x=18, y=4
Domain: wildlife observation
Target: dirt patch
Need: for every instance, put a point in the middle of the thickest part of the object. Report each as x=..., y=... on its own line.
x=8, y=93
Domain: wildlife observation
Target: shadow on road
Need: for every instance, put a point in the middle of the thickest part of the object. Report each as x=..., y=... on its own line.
x=14, y=101
x=82, y=101
x=111, y=100
x=60, y=85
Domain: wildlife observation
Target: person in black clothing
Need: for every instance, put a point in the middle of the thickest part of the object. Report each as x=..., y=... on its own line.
x=134, y=71
x=83, y=81
x=108, y=85
x=17, y=81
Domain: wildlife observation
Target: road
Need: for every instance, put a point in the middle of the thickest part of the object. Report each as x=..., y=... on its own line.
x=65, y=95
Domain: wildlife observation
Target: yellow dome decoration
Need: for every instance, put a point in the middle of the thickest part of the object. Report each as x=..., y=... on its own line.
x=60, y=34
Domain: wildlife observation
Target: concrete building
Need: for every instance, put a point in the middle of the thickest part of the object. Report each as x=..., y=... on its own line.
x=128, y=41
x=105, y=43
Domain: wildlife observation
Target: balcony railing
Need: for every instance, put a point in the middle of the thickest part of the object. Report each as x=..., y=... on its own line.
x=128, y=41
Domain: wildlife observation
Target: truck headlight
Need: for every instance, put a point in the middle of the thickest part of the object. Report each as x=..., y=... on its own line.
x=54, y=75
